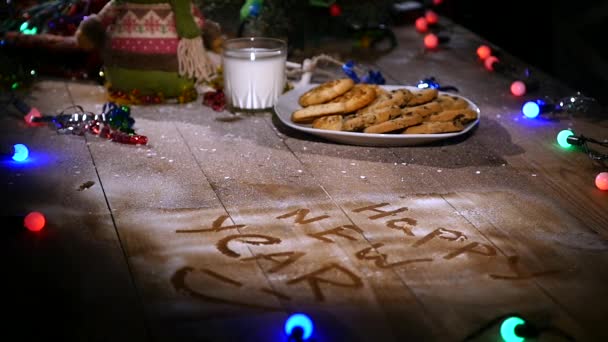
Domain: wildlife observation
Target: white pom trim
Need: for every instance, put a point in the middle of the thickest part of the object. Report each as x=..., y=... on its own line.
x=193, y=60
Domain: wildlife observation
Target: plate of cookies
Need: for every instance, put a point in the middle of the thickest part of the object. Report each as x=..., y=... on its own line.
x=376, y=115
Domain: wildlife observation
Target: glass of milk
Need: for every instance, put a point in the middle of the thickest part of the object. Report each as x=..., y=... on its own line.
x=254, y=72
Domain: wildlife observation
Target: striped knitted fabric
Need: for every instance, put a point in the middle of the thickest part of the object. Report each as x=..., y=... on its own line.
x=143, y=36
x=153, y=48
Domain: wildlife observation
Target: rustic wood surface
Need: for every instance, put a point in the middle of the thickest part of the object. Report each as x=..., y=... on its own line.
x=225, y=224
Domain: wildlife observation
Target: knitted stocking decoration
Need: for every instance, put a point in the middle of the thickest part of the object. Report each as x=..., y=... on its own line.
x=192, y=57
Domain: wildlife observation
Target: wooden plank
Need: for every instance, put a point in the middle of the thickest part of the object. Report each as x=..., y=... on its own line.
x=69, y=281
x=493, y=197
x=171, y=223
x=264, y=186
x=455, y=286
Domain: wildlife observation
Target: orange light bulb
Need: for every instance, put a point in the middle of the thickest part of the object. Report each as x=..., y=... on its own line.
x=484, y=51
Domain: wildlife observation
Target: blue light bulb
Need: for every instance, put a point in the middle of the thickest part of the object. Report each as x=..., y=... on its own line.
x=20, y=152
x=507, y=329
x=299, y=320
x=531, y=109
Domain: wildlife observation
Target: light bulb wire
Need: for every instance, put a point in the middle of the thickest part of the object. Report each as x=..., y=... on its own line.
x=594, y=155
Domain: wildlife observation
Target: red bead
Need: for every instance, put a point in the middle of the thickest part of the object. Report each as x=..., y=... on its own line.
x=489, y=62
x=484, y=51
x=422, y=25
x=218, y=107
x=208, y=97
x=131, y=139
x=105, y=132
x=431, y=41
x=215, y=99
x=95, y=128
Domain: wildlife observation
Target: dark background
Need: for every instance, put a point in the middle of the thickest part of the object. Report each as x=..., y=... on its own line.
x=567, y=39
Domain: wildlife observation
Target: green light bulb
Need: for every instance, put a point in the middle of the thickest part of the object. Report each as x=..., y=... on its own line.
x=23, y=26
x=562, y=138
x=31, y=31
x=507, y=329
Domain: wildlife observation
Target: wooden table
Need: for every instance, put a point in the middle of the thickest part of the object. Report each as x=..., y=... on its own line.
x=223, y=225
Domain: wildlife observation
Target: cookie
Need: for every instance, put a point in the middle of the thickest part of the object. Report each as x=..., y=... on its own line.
x=401, y=122
x=462, y=115
x=398, y=97
x=357, y=97
x=448, y=102
x=326, y=92
x=379, y=90
x=422, y=96
x=424, y=110
x=330, y=122
x=308, y=114
x=434, y=127
x=372, y=117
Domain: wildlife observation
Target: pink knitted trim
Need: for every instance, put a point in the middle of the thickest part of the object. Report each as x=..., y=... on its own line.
x=146, y=45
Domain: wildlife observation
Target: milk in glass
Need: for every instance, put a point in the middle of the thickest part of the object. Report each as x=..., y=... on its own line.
x=254, y=76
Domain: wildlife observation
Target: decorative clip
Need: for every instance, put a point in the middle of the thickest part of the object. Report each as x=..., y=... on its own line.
x=430, y=82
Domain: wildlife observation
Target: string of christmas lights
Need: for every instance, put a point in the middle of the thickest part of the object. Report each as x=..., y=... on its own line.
x=351, y=69
x=431, y=82
x=569, y=105
x=522, y=80
x=58, y=17
x=567, y=139
x=428, y=24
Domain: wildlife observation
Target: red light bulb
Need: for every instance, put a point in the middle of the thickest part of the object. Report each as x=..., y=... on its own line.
x=437, y=2
x=431, y=17
x=518, y=88
x=601, y=181
x=422, y=25
x=335, y=10
x=484, y=51
x=29, y=117
x=34, y=221
x=431, y=41
x=489, y=62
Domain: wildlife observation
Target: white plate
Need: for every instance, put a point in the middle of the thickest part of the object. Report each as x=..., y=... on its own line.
x=288, y=103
